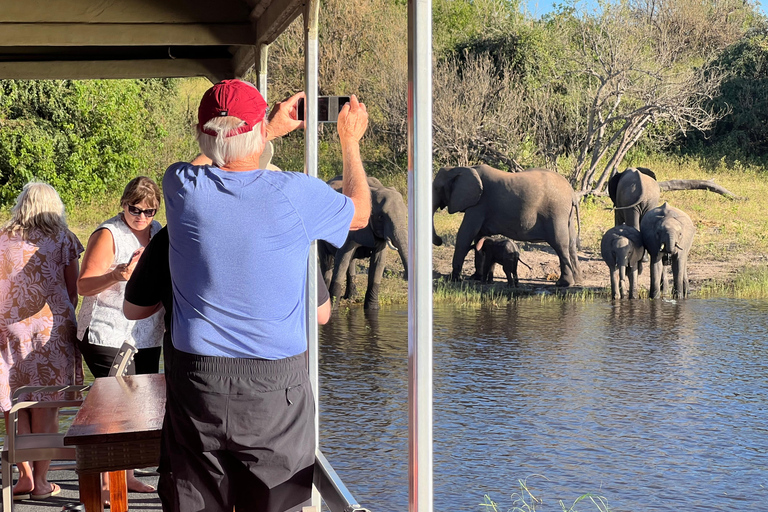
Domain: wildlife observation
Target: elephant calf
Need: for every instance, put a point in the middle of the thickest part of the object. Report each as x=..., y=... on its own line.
x=489, y=252
x=622, y=250
x=668, y=236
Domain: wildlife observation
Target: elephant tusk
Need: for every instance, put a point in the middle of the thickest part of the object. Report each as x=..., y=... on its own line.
x=389, y=244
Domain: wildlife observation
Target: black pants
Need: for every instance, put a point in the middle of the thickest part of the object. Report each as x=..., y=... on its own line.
x=99, y=358
x=241, y=434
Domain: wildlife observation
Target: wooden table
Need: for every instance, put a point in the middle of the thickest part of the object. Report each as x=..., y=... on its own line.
x=117, y=428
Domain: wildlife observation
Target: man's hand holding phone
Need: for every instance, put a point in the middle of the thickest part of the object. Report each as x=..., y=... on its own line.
x=284, y=118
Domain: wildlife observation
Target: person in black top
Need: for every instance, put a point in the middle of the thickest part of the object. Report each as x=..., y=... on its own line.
x=149, y=288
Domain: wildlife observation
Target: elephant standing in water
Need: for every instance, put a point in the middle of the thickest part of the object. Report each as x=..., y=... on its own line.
x=622, y=249
x=388, y=224
x=533, y=206
x=633, y=192
x=668, y=236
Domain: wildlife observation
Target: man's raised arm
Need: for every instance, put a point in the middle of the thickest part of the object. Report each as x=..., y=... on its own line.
x=352, y=123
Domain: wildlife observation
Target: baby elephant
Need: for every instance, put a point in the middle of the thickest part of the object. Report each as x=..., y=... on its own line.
x=489, y=252
x=622, y=250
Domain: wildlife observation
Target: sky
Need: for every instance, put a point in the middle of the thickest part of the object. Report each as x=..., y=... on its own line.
x=538, y=8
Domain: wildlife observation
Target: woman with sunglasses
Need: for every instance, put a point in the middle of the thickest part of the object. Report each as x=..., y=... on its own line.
x=110, y=257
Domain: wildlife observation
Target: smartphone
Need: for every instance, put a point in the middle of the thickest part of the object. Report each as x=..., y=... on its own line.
x=328, y=108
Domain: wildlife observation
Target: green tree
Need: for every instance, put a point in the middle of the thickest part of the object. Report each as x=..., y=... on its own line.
x=86, y=138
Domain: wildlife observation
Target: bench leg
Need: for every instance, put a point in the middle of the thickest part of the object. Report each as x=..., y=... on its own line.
x=118, y=491
x=90, y=491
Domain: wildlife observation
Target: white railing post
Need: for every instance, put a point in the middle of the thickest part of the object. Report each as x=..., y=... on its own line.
x=311, y=50
x=420, y=255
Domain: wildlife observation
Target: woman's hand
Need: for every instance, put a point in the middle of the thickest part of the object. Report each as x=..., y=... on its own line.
x=123, y=271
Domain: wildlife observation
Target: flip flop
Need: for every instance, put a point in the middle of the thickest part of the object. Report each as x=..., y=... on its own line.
x=19, y=497
x=56, y=490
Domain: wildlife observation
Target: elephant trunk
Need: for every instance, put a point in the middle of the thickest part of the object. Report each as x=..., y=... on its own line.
x=436, y=240
x=400, y=240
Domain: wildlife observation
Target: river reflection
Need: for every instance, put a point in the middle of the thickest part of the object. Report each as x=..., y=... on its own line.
x=656, y=405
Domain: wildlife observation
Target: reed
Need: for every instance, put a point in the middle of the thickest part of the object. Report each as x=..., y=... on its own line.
x=750, y=283
x=525, y=501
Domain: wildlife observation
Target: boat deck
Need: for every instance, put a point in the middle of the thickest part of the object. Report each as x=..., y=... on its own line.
x=69, y=494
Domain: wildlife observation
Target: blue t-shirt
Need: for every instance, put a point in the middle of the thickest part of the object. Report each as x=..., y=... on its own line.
x=239, y=243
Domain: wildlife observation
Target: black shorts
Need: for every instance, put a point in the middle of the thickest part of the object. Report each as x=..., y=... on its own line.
x=241, y=433
x=99, y=358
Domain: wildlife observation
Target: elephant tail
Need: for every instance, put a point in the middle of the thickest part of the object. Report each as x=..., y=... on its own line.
x=520, y=260
x=575, y=208
x=626, y=207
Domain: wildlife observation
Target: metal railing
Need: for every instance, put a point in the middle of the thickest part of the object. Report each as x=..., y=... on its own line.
x=332, y=490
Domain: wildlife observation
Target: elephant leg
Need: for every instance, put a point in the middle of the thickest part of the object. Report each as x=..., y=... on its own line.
x=614, y=282
x=679, y=281
x=468, y=231
x=344, y=257
x=510, y=270
x=657, y=276
x=632, y=218
x=632, y=272
x=663, y=280
x=488, y=270
x=375, y=273
x=561, y=244
x=351, y=290
x=622, y=279
x=479, y=265
x=573, y=252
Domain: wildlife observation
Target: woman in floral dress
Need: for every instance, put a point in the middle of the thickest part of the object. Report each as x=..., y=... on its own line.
x=38, y=293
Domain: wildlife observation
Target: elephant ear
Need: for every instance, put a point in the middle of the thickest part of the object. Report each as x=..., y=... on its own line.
x=613, y=185
x=463, y=189
x=648, y=172
x=336, y=183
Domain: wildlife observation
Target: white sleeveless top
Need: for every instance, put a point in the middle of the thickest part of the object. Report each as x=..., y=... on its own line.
x=103, y=312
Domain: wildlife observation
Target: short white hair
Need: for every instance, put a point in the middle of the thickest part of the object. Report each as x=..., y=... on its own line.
x=222, y=149
x=38, y=207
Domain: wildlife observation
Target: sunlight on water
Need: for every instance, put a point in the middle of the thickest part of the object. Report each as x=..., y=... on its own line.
x=654, y=405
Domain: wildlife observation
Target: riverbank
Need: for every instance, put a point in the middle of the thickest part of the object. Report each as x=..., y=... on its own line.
x=729, y=257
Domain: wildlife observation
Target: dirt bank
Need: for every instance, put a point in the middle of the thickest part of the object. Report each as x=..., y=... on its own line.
x=545, y=270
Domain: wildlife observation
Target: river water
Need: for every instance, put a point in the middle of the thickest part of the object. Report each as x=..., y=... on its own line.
x=654, y=405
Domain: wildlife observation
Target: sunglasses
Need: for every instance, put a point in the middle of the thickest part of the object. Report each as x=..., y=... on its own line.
x=149, y=212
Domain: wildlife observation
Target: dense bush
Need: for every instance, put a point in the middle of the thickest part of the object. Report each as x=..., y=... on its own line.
x=743, y=132
x=86, y=138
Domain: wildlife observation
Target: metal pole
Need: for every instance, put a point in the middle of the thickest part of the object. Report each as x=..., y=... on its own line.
x=311, y=15
x=420, y=255
x=262, y=75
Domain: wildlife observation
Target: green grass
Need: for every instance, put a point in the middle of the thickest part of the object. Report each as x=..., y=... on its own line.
x=525, y=501
x=750, y=283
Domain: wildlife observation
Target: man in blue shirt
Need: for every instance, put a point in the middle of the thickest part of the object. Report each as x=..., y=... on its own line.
x=240, y=407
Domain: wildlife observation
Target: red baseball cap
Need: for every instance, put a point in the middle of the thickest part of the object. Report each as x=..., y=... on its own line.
x=232, y=98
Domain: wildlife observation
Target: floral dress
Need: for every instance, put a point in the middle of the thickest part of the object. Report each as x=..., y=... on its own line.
x=38, y=345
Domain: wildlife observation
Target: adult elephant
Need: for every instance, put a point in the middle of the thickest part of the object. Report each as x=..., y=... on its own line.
x=668, y=236
x=533, y=206
x=633, y=192
x=388, y=224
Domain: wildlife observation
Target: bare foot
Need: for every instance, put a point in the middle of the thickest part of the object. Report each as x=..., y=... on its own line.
x=136, y=485
x=25, y=485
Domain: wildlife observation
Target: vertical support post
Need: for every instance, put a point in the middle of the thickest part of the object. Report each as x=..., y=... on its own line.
x=420, y=255
x=311, y=50
x=262, y=75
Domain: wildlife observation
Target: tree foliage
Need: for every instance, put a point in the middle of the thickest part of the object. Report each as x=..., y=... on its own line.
x=743, y=93
x=85, y=138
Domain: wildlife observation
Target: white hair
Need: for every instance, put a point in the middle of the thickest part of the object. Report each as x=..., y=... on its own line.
x=38, y=207
x=222, y=149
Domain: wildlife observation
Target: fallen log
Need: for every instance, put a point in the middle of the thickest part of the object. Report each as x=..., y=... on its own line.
x=695, y=185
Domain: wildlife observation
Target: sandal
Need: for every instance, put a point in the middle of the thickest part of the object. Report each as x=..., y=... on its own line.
x=54, y=491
